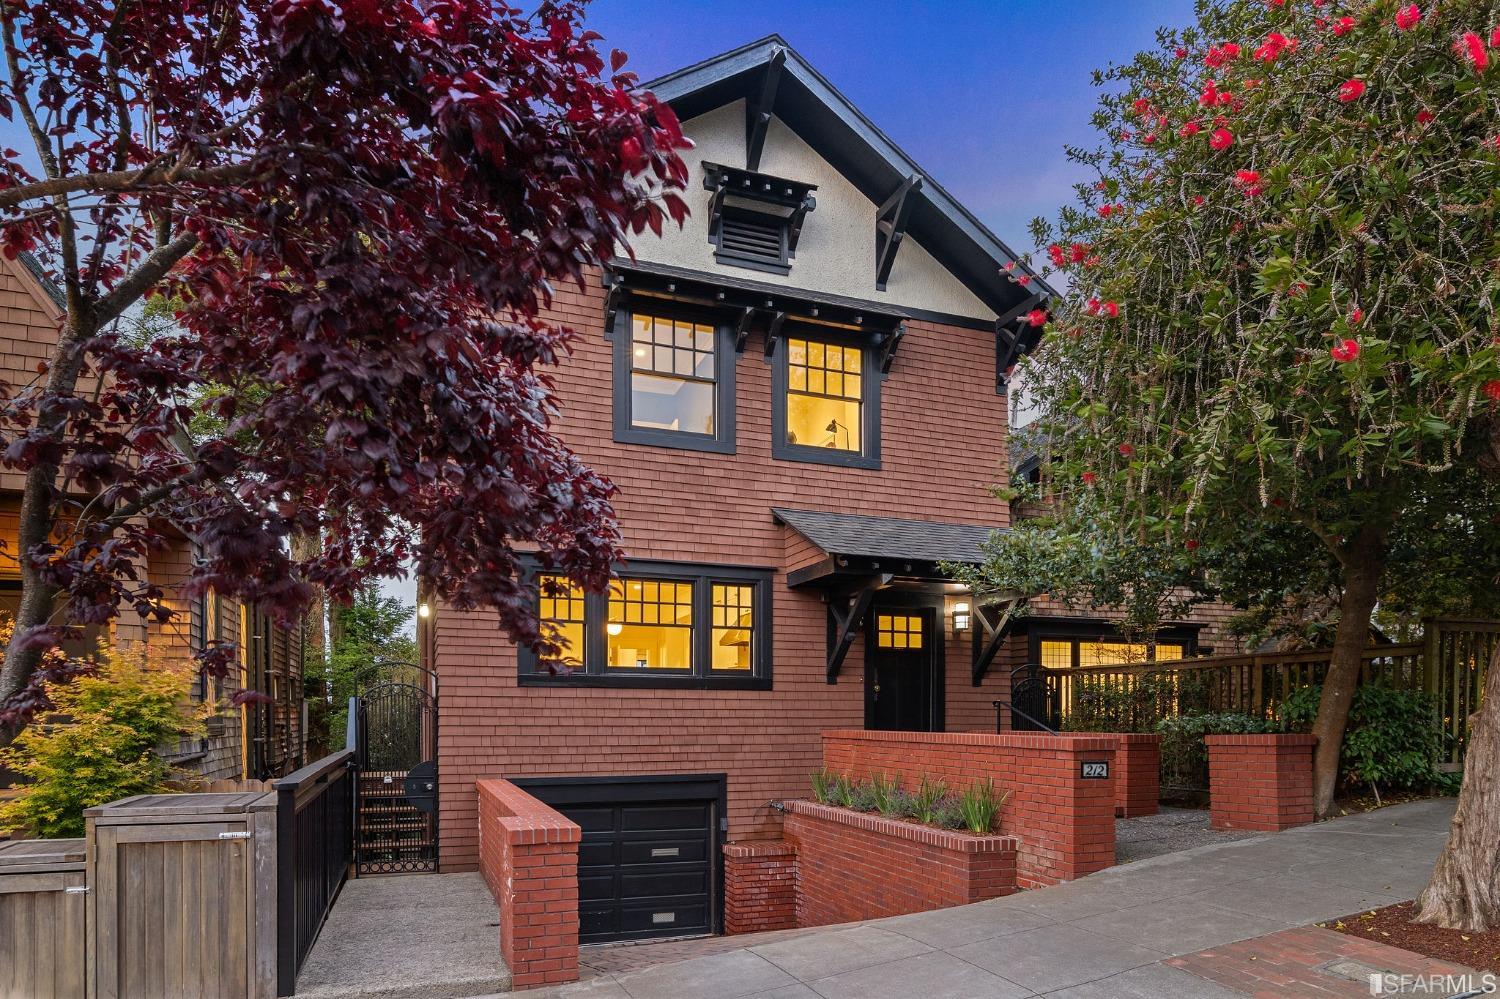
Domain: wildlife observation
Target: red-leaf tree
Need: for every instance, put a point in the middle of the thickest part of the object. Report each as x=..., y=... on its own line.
x=357, y=210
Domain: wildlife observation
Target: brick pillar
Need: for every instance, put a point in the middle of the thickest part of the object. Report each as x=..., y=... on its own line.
x=1138, y=783
x=528, y=854
x=760, y=886
x=1260, y=782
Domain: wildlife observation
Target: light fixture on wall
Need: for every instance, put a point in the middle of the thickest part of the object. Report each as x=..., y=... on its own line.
x=614, y=627
x=424, y=610
x=960, y=617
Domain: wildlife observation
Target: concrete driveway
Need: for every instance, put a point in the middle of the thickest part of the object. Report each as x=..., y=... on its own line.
x=1105, y=936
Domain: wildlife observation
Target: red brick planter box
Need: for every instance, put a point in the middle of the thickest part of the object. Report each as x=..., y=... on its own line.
x=853, y=865
x=1138, y=774
x=1065, y=822
x=528, y=854
x=1260, y=782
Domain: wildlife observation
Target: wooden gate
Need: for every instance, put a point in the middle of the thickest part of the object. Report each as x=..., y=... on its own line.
x=396, y=810
x=43, y=919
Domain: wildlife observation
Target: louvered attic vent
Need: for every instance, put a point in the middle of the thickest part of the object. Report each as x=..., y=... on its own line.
x=755, y=219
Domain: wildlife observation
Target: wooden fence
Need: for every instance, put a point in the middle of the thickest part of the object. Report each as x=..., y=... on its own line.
x=1448, y=665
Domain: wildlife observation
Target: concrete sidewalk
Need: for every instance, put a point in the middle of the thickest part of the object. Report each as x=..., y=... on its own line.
x=1106, y=936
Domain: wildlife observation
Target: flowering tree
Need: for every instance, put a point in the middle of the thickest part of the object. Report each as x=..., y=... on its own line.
x=359, y=209
x=1281, y=323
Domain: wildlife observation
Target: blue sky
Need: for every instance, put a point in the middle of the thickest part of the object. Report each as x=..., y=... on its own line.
x=983, y=93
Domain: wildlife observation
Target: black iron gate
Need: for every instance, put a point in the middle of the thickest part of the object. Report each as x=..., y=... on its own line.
x=396, y=809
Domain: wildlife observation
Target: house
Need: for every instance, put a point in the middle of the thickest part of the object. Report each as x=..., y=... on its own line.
x=259, y=740
x=802, y=398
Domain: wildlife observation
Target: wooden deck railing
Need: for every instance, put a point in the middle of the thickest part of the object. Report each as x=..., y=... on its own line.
x=1448, y=665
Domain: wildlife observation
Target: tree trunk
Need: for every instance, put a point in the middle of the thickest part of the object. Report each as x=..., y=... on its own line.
x=1363, y=560
x=37, y=597
x=1464, y=893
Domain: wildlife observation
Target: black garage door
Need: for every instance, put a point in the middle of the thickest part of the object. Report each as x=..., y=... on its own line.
x=648, y=865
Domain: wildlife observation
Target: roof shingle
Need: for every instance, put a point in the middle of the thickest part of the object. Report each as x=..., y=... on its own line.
x=888, y=537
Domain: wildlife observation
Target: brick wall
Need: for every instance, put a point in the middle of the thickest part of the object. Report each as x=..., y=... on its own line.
x=853, y=866
x=1065, y=823
x=1260, y=782
x=1137, y=774
x=692, y=506
x=529, y=858
x=760, y=886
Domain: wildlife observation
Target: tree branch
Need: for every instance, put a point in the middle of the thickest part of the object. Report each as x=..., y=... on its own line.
x=122, y=180
x=139, y=281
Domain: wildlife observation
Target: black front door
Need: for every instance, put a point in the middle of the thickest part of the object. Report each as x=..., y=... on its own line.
x=901, y=680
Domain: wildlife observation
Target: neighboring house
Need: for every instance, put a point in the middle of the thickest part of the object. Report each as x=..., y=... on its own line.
x=801, y=396
x=260, y=740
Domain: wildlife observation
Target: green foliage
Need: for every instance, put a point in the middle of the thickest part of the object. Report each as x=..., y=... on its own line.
x=1116, y=704
x=1184, y=754
x=1393, y=738
x=979, y=806
x=1203, y=421
x=842, y=792
x=925, y=800
x=101, y=743
x=883, y=791
x=822, y=786
x=370, y=645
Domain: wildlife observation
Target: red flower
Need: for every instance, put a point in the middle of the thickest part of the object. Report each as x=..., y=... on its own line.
x=1221, y=139
x=1210, y=95
x=1351, y=90
x=1089, y=478
x=1407, y=17
x=1356, y=317
x=1191, y=128
x=1343, y=26
x=1181, y=52
x=1106, y=210
x=1345, y=351
x=1191, y=544
x=1250, y=181
x=1275, y=44
x=1495, y=39
x=1424, y=116
x=1142, y=106
x=1078, y=252
x=1023, y=280
x=1091, y=307
x=1056, y=253
x=1471, y=47
x=1127, y=450
x=1492, y=389
x=1036, y=317
x=1197, y=199
x=1149, y=138
x=1112, y=310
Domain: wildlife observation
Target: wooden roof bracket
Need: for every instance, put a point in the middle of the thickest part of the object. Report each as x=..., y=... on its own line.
x=758, y=110
x=890, y=227
x=844, y=623
x=742, y=329
x=1013, y=344
x=773, y=333
x=613, y=299
x=888, y=342
x=995, y=633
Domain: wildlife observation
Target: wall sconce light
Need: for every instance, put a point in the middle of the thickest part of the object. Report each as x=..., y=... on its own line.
x=424, y=610
x=960, y=617
x=614, y=627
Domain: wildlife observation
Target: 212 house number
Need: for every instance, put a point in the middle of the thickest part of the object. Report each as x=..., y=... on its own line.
x=1094, y=771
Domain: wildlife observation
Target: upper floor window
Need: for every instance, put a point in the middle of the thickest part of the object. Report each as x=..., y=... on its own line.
x=674, y=381
x=659, y=624
x=827, y=403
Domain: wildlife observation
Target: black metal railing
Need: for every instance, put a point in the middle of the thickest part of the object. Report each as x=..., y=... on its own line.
x=314, y=850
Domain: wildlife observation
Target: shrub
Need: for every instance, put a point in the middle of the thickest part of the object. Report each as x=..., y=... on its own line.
x=822, y=786
x=101, y=745
x=926, y=800
x=948, y=812
x=883, y=793
x=862, y=797
x=1392, y=739
x=1184, y=755
x=843, y=792
x=980, y=806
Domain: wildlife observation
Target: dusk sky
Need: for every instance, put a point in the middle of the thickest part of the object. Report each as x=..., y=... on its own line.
x=984, y=94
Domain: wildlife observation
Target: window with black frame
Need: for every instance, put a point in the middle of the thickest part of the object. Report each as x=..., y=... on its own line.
x=658, y=624
x=674, y=380
x=827, y=407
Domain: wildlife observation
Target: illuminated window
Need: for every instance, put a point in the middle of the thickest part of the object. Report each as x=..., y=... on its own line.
x=1057, y=655
x=824, y=395
x=898, y=631
x=1068, y=653
x=673, y=375
x=732, y=644
x=562, y=608
x=660, y=624
x=650, y=624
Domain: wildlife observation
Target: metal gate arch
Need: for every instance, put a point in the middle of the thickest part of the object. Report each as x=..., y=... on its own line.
x=396, y=808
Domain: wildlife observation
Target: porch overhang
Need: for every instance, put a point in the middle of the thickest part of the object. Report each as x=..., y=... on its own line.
x=853, y=547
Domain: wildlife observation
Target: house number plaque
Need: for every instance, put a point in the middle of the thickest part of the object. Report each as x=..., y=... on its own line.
x=1094, y=770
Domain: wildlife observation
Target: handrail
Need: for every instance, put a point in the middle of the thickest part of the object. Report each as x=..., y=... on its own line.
x=351, y=726
x=997, y=705
x=314, y=849
x=1242, y=659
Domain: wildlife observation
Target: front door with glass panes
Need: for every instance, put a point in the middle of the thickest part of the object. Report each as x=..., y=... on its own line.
x=900, y=656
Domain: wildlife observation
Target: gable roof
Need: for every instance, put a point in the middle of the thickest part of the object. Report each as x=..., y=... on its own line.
x=888, y=537
x=826, y=120
x=30, y=273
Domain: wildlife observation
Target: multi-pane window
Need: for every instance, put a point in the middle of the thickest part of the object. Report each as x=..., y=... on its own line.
x=824, y=395
x=1067, y=653
x=673, y=375
x=659, y=623
x=732, y=642
x=650, y=624
x=561, y=606
x=898, y=631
